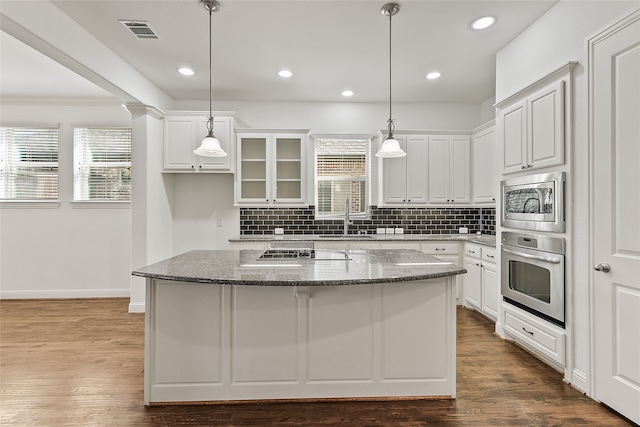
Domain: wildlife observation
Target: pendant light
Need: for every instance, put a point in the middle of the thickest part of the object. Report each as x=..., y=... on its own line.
x=390, y=147
x=210, y=146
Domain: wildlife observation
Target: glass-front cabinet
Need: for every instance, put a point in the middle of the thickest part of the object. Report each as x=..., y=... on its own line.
x=271, y=167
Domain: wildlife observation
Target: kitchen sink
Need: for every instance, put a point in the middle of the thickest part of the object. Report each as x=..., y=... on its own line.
x=346, y=236
x=303, y=253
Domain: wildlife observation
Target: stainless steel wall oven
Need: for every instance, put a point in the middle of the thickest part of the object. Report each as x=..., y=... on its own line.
x=533, y=274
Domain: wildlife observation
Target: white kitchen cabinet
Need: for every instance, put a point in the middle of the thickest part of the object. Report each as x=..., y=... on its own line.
x=449, y=169
x=541, y=337
x=484, y=174
x=183, y=133
x=471, y=282
x=272, y=168
x=258, y=246
x=490, y=289
x=480, y=284
x=405, y=178
x=531, y=130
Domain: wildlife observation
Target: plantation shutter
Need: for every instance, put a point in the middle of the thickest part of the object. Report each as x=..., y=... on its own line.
x=28, y=163
x=342, y=170
x=102, y=159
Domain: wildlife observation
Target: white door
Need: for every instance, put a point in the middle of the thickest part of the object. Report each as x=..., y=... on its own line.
x=615, y=82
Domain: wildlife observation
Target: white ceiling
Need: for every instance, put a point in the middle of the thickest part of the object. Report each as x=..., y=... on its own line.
x=328, y=45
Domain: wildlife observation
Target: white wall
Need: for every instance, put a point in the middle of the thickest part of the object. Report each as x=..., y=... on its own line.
x=557, y=37
x=203, y=212
x=346, y=117
x=65, y=251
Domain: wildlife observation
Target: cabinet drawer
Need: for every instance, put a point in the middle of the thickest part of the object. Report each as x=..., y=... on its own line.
x=441, y=248
x=489, y=255
x=541, y=337
x=473, y=251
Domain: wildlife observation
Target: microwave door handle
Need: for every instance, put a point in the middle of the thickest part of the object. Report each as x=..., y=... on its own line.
x=536, y=257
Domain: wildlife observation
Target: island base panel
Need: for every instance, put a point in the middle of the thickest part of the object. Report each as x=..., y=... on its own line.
x=207, y=342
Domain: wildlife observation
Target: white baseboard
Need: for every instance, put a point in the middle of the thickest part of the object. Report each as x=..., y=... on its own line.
x=136, y=307
x=579, y=381
x=65, y=293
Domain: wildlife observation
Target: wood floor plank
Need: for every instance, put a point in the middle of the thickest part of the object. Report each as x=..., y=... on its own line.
x=80, y=363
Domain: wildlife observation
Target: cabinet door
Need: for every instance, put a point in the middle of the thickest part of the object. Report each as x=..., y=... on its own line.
x=416, y=172
x=288, y=169
x=472, y=289
x=223, y=130
x=394, y=172
x=485, y=179
x=459, y=169
x=546, y=126
x=439, y=169
x=490, y=293
x=179, y=137
x=512, y=125
x=252, y=171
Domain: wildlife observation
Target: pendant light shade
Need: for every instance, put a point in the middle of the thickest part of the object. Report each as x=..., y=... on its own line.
x=210, y=146
x=390, y=147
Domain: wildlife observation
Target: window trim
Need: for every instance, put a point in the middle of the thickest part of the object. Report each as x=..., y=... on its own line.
x=368, y=178
x=99, y=203
x=24, y=203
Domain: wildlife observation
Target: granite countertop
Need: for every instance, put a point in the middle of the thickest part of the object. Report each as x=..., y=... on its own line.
x=245, y=268
x=482, y=239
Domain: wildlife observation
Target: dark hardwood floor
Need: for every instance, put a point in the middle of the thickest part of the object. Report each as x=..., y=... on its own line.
x=80, y=363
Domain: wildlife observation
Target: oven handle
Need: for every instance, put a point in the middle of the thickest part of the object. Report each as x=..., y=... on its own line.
x=536, y=257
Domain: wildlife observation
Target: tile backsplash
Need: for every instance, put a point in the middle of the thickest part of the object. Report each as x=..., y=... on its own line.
x=259, y=221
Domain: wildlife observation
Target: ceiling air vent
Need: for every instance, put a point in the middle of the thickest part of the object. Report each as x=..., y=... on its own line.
x=140, y=29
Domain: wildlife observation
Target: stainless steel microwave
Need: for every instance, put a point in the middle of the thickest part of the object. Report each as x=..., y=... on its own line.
x=534, y=202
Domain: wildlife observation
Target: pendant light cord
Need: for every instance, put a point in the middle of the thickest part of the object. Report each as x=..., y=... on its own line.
x=390, y=122
x=210, y=120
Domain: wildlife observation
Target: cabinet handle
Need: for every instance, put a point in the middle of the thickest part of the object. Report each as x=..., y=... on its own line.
x=529, y=332
x=490, y=256
x=529, y=166
x=199, y=166
x=472, y=252
x=440, y=249
x=193, y=167
x=523, y=167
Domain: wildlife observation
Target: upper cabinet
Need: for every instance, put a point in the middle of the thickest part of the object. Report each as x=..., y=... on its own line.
x=484, y=175
x=183, y=133
x=531, y=124
x=405, y=178
x=271, y=168
x=449, y=169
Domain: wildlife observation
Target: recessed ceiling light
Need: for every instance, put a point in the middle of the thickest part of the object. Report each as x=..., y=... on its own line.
x=285, y=73
x=347, y=93
x=433, y=75
x=186, y=71
x=482, y=23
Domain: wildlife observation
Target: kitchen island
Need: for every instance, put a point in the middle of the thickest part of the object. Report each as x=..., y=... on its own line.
x=356, y=324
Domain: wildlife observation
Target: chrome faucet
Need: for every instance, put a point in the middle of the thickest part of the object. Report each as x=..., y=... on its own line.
x=347, y=222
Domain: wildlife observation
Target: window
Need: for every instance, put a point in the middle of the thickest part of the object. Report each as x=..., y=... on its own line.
x=342, y=171
x=102, y=161
x=28, y=163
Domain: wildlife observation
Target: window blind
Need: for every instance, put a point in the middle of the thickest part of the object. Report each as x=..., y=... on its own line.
x=342, y=171
x=102, y=159
x=28, y=163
